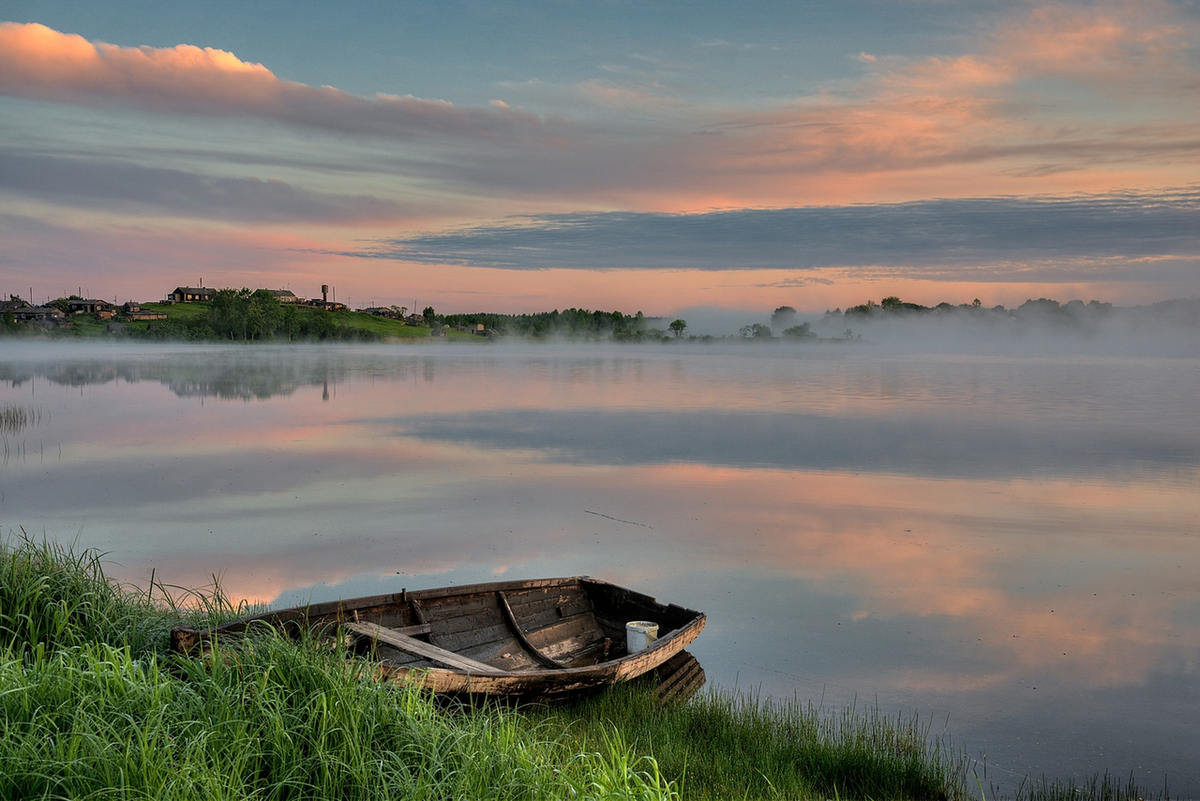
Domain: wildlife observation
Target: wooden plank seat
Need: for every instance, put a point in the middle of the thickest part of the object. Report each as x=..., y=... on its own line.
x=411, y=645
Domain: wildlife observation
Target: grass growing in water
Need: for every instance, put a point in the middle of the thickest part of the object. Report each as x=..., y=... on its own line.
x=14, y=418
x=723, y=745
x=1098, y=787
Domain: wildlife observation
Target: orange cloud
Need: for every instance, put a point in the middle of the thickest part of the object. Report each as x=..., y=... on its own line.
x=37, y=62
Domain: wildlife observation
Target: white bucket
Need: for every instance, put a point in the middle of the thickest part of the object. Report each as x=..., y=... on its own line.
x=639, y=634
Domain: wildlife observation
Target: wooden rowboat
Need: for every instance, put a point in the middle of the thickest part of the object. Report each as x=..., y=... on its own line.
x=543, y=638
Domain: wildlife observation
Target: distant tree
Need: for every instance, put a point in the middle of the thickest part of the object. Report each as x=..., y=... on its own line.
x=678, y=327
x=430, y=315
x=783, y=317
x=264, y=314
x=318, y=324
x=64, y=304
x=289, y=321
x=755, y=331
x=862, y=309
x=802, y=331
x=893, y=305
x=1039, y=306
x=227, y=312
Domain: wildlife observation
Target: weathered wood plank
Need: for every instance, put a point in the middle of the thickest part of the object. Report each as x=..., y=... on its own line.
x=571, y=634
x=569, y=649
x=532, y=603
x=389, y=617
x=451, y=626
x=412, y=645
x=520, y=635
x=564, y=627
x=397, y=658
x=507, y=656
x=507, y=586
x=495, y=632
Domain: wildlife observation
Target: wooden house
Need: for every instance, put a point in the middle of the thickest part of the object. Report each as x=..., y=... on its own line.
x=101, y=308
x=191, y=294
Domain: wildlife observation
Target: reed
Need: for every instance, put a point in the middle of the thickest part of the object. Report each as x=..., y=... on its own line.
x=54, y=598
x=1097, y=787
x=14, y=418
x=724, y=745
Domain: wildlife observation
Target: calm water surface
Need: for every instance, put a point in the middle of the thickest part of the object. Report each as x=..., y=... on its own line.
x=1004, y=544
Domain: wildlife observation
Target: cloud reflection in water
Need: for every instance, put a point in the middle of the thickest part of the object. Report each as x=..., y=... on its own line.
x=945, y=535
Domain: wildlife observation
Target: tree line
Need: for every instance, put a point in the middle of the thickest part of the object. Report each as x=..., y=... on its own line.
x=568, y=323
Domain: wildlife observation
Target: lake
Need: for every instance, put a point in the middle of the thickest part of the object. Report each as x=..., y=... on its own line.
x=1004, y=543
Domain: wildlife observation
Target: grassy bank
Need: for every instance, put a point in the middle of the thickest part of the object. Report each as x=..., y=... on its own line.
x=92, y=706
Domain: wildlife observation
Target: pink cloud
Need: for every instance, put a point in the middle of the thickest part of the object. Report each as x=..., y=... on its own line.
x=1112, y=44
x=39, y=63
x=1042, y=103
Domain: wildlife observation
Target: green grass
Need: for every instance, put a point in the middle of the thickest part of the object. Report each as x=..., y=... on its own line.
x=723, y=745
x=381, y=326
x=179, y=311
x=273, y=720
x=87, y=325
x=372, y=325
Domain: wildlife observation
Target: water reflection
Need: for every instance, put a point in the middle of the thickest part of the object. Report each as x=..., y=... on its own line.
x=1008, y=544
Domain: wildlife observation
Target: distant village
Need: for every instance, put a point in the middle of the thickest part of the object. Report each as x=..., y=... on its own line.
x=58, y=313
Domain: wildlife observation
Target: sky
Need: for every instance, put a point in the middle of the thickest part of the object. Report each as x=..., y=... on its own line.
x=638, y=156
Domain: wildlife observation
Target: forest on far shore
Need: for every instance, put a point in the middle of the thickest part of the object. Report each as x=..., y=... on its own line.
x=786, y=322
x=257, y=316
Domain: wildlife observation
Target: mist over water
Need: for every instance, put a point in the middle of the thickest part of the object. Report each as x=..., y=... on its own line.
x=999, y=535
